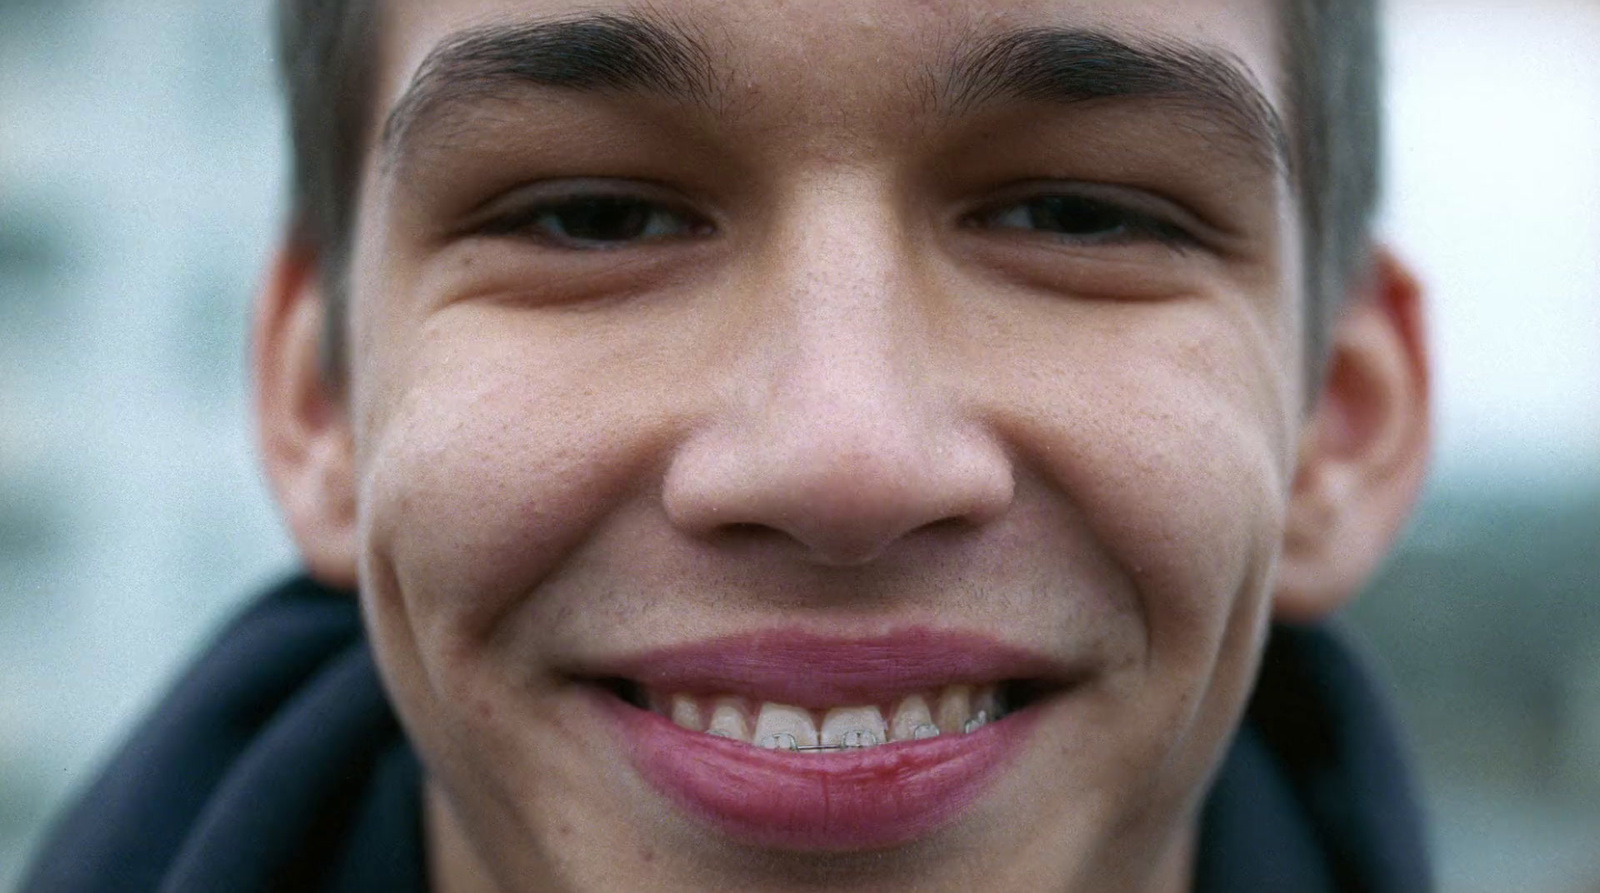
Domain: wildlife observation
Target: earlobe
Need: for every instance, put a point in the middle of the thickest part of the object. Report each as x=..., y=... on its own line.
x=302, y=420
x=1364, y=451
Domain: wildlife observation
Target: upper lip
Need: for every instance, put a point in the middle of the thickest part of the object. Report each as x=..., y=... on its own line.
x=807, y=669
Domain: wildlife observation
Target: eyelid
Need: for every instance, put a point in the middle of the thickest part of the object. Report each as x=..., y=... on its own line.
x=1157, y=213
x=529, y=200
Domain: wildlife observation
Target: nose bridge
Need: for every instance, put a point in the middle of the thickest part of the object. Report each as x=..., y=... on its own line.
x=849, y=358
x=845, y=439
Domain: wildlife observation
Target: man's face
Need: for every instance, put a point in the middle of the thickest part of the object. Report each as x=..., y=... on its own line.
x=823, y=373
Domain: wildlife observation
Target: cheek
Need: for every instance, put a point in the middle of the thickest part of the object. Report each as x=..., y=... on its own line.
x=1178, y=471
x=1178, y=462
x=1208, y=500
x=1202, y=559
x=498, y=458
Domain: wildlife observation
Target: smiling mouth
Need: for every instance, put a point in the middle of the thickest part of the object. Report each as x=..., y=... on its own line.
x=783, y=690
x=799, y=741
x=949, y=710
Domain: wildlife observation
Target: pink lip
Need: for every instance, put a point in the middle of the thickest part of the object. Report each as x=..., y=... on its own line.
x=810, y=670
x=850, y=801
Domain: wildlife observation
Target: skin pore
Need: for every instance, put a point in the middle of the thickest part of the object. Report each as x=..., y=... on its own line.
x=678, y=323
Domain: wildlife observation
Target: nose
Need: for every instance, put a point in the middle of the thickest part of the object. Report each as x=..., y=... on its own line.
x=846, y=430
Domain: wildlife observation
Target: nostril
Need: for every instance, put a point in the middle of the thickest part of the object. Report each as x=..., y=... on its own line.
x=842, y=530
x=846, y=493
x=745, y=535
x=948, y=526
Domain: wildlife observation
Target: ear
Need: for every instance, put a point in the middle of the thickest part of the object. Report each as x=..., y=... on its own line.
x=302, y=420
x=1364, y=451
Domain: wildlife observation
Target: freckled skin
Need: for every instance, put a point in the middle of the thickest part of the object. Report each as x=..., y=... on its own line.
x=845, y=411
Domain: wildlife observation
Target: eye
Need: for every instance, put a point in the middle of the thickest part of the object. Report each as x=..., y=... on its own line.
x=1084, y=220
x=595, y=221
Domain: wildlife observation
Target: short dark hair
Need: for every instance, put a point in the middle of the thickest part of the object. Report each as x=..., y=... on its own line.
x=1332, y=56
x=1334, y=61
x=327, y=53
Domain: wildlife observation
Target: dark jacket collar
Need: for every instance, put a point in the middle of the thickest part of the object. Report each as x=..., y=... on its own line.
x=1314, y=795
x=275, y=764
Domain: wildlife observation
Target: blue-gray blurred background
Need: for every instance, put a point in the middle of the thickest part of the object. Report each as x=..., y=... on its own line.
x=142, y=169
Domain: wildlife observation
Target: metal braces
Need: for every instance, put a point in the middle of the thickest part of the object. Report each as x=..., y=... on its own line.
x=861, y=736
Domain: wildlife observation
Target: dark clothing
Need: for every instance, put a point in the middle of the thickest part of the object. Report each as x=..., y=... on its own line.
x=1314, y=795
x=276, y=764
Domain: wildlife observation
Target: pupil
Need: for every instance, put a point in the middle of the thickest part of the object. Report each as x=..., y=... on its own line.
x=605, y=219
x=1073, y=216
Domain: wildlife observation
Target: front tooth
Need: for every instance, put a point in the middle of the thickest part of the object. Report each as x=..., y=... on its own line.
x=728, y=720
x=853, y=727
x=955, y=708
x=912, y=716
x=782, y=727
x=686, y=712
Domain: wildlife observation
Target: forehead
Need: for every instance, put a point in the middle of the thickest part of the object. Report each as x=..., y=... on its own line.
x=780, y=29
x=843, y=64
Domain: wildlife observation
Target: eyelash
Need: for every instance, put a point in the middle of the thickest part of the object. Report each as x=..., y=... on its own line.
x=644, y=220
x=1118, y=223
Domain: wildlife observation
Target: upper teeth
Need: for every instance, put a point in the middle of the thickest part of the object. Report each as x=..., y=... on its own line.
x=853, y=727
x=785, y=728
x=954, y=709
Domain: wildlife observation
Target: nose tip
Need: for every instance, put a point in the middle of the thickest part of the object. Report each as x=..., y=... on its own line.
x=844, y=505
x=841, y=421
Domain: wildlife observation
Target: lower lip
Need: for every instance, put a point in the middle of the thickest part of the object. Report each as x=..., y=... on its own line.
x=867, y=799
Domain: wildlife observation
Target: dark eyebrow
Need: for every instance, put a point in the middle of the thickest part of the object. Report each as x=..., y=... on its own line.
x=639, y=53
x=1056, y=65
x=600, y=51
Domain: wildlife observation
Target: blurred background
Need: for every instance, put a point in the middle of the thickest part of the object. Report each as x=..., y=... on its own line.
x=142, y=172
